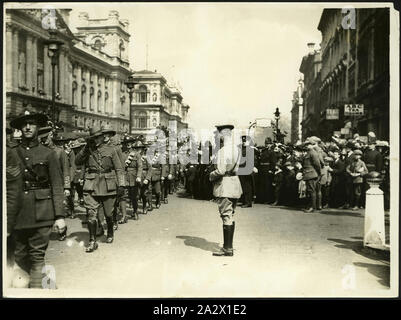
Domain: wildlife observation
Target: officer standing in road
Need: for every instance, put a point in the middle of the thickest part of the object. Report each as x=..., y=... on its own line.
x=158, y=173
x=246, y=179
x=227, y=187
x=42, y=202
x=104, y=177
x=133, y=167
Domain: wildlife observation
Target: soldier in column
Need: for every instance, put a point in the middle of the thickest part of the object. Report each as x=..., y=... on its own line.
x=104, y=179
x=133, y=167
x=42, y=199
x=146, y=186
x=166, y=182
x=122, y=197
x=78, y=179
x=158, y=173
x=227, y=187
x=63, y=140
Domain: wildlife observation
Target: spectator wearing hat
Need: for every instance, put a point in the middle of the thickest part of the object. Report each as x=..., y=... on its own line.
x=289, y=187
x=348, y=157
x=42, y=198
x=277, y=182
x=311, y=172
x=338, y=194
x=267, y=162
x=325, y=181
x=104, y=178
x=356, y=170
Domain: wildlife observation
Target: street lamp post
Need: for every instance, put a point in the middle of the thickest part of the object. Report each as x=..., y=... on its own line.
x=277, y=117
x=130, y=83
x=53, y=53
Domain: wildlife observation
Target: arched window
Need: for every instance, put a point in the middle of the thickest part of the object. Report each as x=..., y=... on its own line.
x=83, y=97
x=142, y=95
x=74, y=93
x=142, y=120
x=91, y=94
x=99, y=101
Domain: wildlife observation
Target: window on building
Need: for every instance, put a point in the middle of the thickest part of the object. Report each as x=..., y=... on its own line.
x=83, y=74
x=74, y=93
x=106, y=82
x=142, y=95
x=142, y=120
x=363, y=61
x=40, y=81
x=22, y=60
x=83, y=97
x=91, y=98
x=91, y=76
x=121, y=49
x=99, y=101
x=122, y=106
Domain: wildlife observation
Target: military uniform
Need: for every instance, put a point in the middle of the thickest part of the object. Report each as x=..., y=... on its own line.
x=311, y=171
x=133, y=167
x=103, y=177
x=227, y=190
x=158, y=173
x=246, y=181
x=146, y=189
x=77, y=181
x=265, y=178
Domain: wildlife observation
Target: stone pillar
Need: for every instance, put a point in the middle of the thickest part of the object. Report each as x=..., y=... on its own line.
x=102, y=88
x=15, y=59
x=62, y=75
x=374, y=235
x=115, y=103
x=34, y=65
x=47, y=73
x=88, y=88
x=78, y=79
x=10, y=60
x=29, y=62
x=95, y=87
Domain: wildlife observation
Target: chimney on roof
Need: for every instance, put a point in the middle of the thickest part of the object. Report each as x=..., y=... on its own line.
x=311, y=47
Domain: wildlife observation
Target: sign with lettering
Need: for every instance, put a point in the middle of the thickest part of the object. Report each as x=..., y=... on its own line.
x=353, y=110
x=332, y=114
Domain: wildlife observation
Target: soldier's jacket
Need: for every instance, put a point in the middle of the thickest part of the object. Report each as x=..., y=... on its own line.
x=146, y=169
x=158, y=170
x=43, y=191
x=71, y=165
x=311, y=165
x=63, y=163
x=14, y=186
x=134, y=169
x=373, y=160
x=267, y=160
x=79, y=171
x=226, y=183
x=104, y=172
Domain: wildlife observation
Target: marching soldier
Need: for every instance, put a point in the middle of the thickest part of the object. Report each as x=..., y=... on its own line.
x=227, y=187
x=133, y=167
x=42, y=198
x=146, y=186
x=63, y=140
x=104, y=178
x=77, y=182
x=158, y=174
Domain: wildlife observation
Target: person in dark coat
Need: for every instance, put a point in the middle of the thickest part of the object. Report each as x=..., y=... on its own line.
x=288, y=196
x=311, y=172
x=267, y=163
x=348, y=159
x=246, y=177
x=42, y=199
x=338, y=181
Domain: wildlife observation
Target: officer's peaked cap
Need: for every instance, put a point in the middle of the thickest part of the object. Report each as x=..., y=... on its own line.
x=19, y=121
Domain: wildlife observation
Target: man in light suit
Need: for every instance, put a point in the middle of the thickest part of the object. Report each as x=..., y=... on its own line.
x=227, y=187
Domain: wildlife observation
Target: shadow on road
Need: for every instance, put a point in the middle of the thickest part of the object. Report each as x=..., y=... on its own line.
x=378, y=270
x=200, y=243
x=382, y=271
x=342, y=213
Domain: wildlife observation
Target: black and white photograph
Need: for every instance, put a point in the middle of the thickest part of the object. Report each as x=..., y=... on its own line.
x=200, y=150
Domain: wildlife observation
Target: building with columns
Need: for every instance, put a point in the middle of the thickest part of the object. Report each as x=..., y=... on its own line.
x=155, y=104
x=92, y=68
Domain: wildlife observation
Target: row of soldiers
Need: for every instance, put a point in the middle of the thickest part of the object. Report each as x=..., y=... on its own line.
x=313, y=174
x=46, y=170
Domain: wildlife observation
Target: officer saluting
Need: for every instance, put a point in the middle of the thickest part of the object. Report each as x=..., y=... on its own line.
x=42, y=203
x=103, y=176
x=227, y=187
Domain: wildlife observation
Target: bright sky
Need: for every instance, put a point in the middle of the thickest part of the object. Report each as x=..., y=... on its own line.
x=234, y=61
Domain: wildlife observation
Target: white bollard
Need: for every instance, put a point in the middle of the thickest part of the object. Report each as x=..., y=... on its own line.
x=374, y=236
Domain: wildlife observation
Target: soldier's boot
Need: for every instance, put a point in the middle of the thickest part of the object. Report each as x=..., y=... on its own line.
x=92, y=227
x=144, y=205
x=150, y=204
x=110, y=230
x=157, y=200
x=227, y=250
x=36, y=278
x=123, y=209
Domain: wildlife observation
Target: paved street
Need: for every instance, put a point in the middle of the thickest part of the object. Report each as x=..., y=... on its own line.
x=168, y=253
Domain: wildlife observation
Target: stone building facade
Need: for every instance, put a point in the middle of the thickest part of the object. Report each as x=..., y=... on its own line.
x=92, y=67
x=156, y=104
